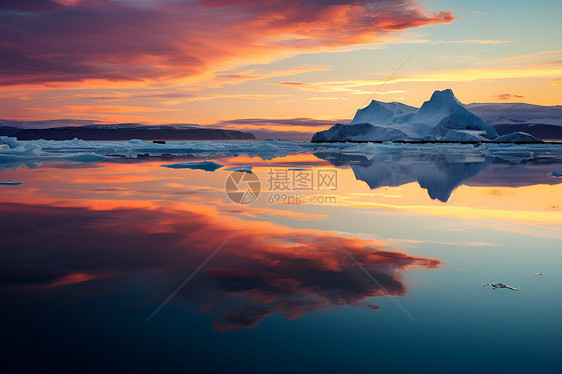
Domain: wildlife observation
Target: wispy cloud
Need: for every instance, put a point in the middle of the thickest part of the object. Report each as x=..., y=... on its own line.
x=390, y=92
x=507, y=96
x=533, y=56
x=547, y=63
x=110, y=109
x=326, y=98
x=361, y=86
x=469, y=41
x=249, y=75
x=170, y=97
x=282, y=128
x=292, y=122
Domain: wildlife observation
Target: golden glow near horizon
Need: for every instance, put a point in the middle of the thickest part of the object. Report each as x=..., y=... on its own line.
x=537, y=208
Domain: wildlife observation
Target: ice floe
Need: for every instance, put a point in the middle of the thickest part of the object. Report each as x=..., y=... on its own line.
x=11, y=183
x=32, y=153
x=500, y=285
x=243, y=169
x=200, y=165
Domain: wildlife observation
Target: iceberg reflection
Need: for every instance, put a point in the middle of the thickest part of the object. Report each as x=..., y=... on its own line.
x=441, y=173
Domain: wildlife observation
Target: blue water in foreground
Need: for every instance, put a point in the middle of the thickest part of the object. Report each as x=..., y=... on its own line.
x=125, y=266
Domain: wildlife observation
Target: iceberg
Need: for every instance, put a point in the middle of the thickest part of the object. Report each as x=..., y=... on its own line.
x=361, y=131
x=441, y=118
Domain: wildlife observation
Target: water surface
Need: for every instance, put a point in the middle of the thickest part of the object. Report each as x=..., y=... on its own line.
x=347, y=261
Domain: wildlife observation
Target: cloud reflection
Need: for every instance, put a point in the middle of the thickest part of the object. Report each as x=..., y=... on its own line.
x=264, y=269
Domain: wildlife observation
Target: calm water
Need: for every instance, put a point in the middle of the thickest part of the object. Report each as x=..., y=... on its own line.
x=346, y=262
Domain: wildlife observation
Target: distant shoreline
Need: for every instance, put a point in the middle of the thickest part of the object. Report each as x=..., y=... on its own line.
x=125, y=133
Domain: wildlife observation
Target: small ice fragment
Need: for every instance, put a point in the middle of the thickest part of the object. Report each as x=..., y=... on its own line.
x=242, y=169
x=500, y=285
x=201, y=165
x=538, y=273
x=11, y=183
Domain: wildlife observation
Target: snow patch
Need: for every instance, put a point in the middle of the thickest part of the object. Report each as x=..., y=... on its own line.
x=518, y=137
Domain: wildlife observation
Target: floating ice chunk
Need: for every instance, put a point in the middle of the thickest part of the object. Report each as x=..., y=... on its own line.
x=11, y=183
x=32, y=153
x=201, y=165
x=243, y=169
x=500, y=285
x=537, y=273
x=8, y=142
x=14, y=153
x=11, y=146
x=556, y=174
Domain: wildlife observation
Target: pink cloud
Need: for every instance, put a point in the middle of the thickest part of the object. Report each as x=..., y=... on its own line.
x=507, y=96
x=68, y=41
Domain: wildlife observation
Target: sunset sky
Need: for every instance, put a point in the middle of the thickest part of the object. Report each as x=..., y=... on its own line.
x=280, y=65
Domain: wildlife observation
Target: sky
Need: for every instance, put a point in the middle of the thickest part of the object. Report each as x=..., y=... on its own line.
x=283, y=66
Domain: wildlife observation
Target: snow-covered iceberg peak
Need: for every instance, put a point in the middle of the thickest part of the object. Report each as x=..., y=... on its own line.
x=440, y=101
x=379, y=113
x=444, y=113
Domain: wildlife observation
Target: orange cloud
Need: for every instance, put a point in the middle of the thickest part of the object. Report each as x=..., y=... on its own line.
x=73, y=40
x=532, y=56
